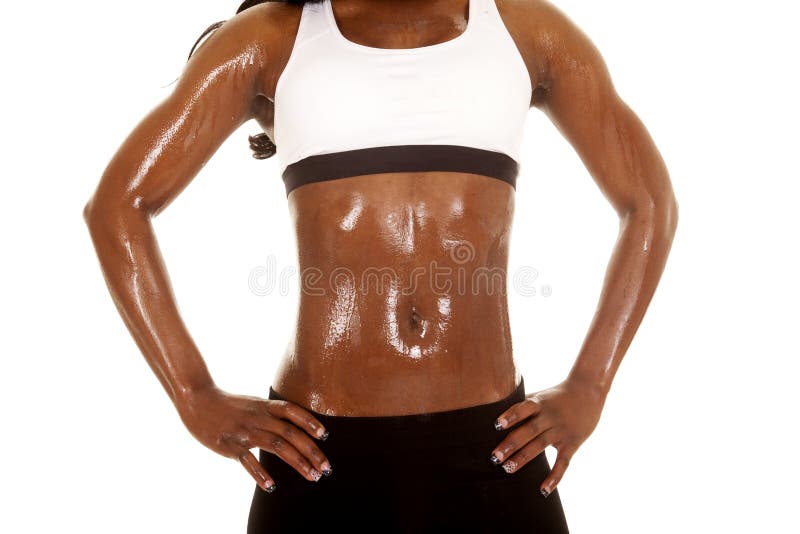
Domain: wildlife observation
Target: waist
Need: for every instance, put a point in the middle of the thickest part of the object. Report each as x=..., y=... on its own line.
x=471, y=422
x=404, y=379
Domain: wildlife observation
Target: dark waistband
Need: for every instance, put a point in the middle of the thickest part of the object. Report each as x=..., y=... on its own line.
x=471, y=423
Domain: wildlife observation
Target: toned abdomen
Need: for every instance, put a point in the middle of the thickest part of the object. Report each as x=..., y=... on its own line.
x=403, y=303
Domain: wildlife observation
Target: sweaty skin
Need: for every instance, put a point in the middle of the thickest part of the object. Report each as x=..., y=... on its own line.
x=403, y=306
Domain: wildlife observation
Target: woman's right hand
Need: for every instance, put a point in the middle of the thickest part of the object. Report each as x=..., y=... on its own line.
x=233, y=424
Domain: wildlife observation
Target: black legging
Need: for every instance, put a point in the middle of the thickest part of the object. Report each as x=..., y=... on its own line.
x=411, y=473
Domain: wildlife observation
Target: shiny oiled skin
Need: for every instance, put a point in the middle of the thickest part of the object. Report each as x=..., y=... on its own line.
x=387, y=350
x=405, y=340
x=407, y=311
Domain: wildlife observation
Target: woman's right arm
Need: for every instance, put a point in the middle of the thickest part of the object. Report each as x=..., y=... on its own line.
x=215, y=94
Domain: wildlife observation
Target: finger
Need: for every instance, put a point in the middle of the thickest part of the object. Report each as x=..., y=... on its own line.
x=277, y=445
x=299, y=416
x=559, y=468
x=298, y=438
x=256, y=470
x=518, y=437
x=527, y=453
x=518, y=412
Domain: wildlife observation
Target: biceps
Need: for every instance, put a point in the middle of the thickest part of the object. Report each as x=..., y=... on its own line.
x=605, y=132
x=170, y=145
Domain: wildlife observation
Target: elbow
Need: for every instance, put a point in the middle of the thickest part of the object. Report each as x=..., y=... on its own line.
x=93, y=219
x=95, y=214
x=101, y=214
x=665, y=214
x=665, y=219
x=672, y=218
x=659, y=216
x=87, y=212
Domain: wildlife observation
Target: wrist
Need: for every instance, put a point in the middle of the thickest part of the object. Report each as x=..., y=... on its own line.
x=183, y=396
x=590, y=384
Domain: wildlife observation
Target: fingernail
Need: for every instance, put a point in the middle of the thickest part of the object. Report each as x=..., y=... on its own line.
x=544, y=492
x=500, y=424
x=323, y=435
x=509, y=466
x=327, y=470
x=315, y=475
x=495, y=460
x=271, y=488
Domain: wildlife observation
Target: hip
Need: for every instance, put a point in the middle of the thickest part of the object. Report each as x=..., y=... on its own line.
x=412, y=473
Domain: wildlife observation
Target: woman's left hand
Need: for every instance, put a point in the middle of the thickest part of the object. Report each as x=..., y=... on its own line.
x=562, y=416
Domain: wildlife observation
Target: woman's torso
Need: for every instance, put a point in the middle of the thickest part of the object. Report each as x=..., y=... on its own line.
x=403, y=298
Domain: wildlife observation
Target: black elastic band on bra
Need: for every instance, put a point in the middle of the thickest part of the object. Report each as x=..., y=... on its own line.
x=400, y=158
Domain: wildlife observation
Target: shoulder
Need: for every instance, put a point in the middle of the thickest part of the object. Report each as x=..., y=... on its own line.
x=260, y=27
x=553, y=41
x=271, y=17
x=259, y=40
x=541, y=20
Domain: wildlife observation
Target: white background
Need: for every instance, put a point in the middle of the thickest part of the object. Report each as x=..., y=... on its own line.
x=699, y=431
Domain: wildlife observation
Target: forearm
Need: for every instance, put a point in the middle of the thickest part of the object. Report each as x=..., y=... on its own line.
x=137, y=279
x=632, y=275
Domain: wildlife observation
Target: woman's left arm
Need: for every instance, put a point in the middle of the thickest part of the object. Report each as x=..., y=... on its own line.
x=577, y=94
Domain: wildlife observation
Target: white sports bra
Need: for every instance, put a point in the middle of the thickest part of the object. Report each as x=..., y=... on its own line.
x=344, y=109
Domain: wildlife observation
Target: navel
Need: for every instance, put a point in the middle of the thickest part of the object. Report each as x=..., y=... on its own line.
x=418, y=324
